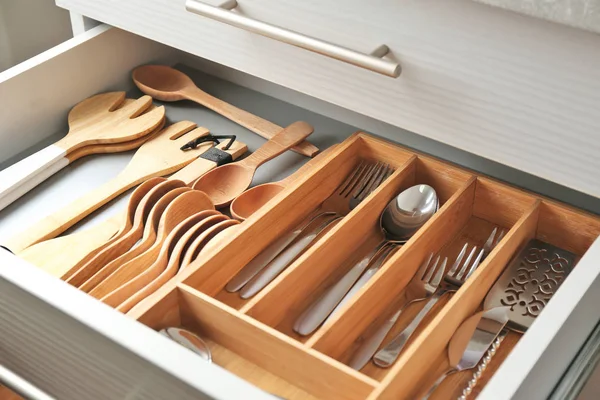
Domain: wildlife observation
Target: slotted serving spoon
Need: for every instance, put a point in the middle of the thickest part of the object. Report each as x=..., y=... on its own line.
x=95, y=121
x=160, y=155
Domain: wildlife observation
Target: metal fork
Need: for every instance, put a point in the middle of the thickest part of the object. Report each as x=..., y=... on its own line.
x=427, y=279
x=363, y=180
x=454, y=279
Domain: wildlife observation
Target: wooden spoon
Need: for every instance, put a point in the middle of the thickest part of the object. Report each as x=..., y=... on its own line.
x=119, y=247
x=95, y=121
x=225, y=183
x=52, y=256
x=184, y=206
x=196, y=247
x=90, y=275
x=168, y=84
x=167, y=263
x=254, y=198
x=160, y=155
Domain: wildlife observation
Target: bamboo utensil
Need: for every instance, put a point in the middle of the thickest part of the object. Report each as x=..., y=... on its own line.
x=92, y=273
x=168, y=84
x=254, y=198
x=95, y=121
x=196, y=247
x=51, y=255
x=134, y=275
x=225, y=183
x=160, y=155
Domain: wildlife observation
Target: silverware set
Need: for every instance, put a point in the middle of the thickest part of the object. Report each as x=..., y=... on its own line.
x=265, y=267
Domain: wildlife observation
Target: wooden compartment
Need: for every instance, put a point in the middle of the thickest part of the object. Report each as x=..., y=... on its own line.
x=255, y=335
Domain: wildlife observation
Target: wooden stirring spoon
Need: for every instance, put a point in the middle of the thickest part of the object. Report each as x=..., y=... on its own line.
x=196, y=247
x=50, y=255
x=254, y=198
x=125, y=243
x=184, y=206
x=95, y=121
x=160, y=155
x=225, y=183
x=90, y=275
x=168, y=84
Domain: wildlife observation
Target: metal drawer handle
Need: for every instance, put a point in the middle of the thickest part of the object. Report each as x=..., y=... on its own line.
x=223, y=13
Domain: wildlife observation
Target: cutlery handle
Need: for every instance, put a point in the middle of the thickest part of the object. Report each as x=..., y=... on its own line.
x=371, y=344
x=282, y=261
x=483, y=365
x=55, y=224
x=388, y=355
x=26, y=174
x=438, y=382
x=254, y=123
x=319, y=310
x=284, y=140
x=363, y=279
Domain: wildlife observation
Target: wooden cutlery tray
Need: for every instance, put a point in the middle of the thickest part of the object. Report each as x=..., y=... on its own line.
x=254, y=339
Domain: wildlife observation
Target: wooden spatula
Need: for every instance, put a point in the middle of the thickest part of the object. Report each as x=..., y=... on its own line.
x=94, y=121
x=160, y=155
x=184, y=206
x=64, y=255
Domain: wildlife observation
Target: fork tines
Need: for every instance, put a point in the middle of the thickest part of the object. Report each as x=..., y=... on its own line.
x=364, y=179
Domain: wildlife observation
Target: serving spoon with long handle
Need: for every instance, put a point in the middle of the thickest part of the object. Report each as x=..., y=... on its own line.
x=95, y=121
x=168, y=84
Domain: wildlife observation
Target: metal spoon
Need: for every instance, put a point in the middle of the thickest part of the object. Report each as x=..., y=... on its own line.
x=193, y=342
x=400, y=220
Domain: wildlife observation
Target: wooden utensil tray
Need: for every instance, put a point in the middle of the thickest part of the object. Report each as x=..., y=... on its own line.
x=254, y=337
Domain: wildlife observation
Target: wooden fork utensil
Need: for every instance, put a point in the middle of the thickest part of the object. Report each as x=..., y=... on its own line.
x=95, y=121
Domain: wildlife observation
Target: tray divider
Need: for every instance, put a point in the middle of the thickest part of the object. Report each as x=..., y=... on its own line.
x=271, y=304
x=274, y=351
x=408, y=377
x=371, y=301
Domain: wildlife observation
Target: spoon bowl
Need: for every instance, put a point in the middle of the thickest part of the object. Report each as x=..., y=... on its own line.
x=253, y=199
x=162, y=82
x=224, y=183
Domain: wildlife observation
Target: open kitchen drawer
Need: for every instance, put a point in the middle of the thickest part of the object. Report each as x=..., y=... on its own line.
x=71, y=346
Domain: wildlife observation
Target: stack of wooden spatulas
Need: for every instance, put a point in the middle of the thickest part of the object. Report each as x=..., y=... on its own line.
x=103, y=123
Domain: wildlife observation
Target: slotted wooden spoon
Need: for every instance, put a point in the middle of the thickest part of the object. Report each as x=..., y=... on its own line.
x=95, y=121
x=168, y=84
x=184, y=206
x=52, y=255
x=160, y=155
x=225, y=183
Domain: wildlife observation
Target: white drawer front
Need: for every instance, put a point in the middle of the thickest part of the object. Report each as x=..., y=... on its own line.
x=510, y=88
x=108, y=47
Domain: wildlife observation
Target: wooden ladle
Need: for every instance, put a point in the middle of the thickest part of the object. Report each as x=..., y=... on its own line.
x=95, y=121
x=225, y=183
x=168, y=84
x=254, y=198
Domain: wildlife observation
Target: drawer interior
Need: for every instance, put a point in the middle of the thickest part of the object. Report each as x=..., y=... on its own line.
x=253, y=338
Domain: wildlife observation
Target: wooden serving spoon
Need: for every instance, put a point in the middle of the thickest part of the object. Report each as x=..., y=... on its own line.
x=160, y=155
x=168, y=84
x=95, y=121
x=192, y=252
x=167, y=262
x=51, y=255
x=125, y=243
x=184, y=206
x=225, y=183
x=90, y=275
x=254, y=198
